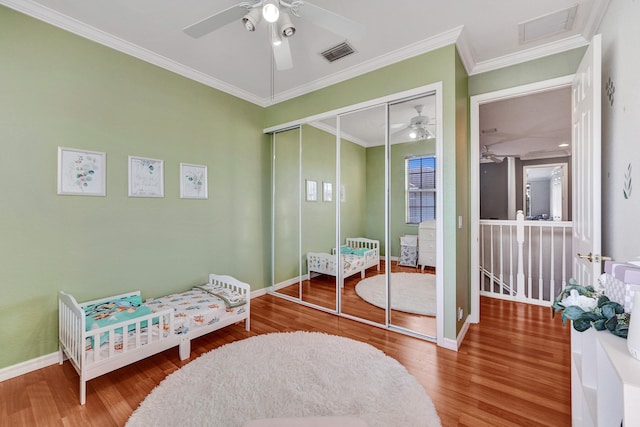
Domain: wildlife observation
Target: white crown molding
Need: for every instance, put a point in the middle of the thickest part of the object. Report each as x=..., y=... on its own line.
x=410, y=51
x=83, y=30
x=466, y=52
x=530, y=54
x=333, y=131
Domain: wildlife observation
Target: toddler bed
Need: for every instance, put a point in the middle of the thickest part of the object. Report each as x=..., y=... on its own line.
x=106, y=334
x=356, y=256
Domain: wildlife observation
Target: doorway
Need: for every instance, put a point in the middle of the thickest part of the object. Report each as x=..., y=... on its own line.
x=495, y=150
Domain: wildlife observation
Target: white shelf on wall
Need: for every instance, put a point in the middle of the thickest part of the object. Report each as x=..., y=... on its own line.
x=605, y=381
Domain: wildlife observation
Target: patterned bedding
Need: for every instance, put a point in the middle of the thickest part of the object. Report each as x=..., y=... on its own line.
x=194, y=309
x=326, y=264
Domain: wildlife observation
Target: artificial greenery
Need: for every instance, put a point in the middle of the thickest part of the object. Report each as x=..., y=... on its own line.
x=586, y=308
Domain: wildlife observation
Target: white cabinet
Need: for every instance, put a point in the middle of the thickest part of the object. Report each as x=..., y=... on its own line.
x=427, y=244
x=605, y=380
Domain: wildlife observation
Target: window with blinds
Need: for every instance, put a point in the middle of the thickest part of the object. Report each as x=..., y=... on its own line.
x=420, y=181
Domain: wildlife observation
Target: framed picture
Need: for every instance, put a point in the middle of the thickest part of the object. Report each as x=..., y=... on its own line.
x=81, y=172
x=146, y=177
x=327, y=192
x=312, y=190
x=193, y=181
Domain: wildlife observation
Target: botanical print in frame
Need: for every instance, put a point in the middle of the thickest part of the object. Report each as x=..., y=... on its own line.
x=146, y=177
x=81, y=172
x=312, y=190
x=327, y=192
x=193, y=181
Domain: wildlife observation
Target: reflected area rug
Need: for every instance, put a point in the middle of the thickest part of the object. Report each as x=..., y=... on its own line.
x=294, y=374
x=410, y=292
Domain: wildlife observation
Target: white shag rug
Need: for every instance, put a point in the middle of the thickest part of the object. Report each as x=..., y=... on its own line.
x=294, y=374
x=410, y=292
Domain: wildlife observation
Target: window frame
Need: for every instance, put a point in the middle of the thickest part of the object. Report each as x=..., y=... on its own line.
x=408, y=190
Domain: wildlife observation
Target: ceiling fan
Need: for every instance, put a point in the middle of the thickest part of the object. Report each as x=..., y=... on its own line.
x=490, y=156
x=277, y=14
x=418, y=127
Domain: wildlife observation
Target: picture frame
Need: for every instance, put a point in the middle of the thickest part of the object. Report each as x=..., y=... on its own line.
x=146, y=177
x=193, y=181
x=327, y=192
x=311, y=190
x=81, y=172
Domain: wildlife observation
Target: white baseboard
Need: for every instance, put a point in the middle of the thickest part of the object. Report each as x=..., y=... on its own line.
x=28, y=366
x=454, y=345
x=290, y=282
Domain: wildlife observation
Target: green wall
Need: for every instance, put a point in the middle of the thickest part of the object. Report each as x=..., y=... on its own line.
x=287, y=190
x=463, y=237
x=319, y=156
x=58, y=89
x=354, y=172
x=548, y=67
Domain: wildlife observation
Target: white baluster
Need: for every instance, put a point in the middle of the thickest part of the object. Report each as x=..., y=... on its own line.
x=520, y=239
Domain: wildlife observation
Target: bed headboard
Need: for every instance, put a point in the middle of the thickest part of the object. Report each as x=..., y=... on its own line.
x=362, y=242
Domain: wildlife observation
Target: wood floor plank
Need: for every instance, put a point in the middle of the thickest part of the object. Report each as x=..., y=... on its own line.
x=512, y=369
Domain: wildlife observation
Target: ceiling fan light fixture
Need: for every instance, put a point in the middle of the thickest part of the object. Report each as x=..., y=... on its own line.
x=413, y=134
x=251, y=19
x=270, y=11
x=287, y=29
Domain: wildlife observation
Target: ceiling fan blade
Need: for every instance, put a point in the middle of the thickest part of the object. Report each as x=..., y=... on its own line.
x=216, y=21
x=332, y=21
x=282, y=55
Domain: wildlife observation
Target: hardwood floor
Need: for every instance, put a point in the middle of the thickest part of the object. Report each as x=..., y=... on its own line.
x=321, y=291
x=512, y=370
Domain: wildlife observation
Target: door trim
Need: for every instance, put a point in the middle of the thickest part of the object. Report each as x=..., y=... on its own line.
x=474, y=169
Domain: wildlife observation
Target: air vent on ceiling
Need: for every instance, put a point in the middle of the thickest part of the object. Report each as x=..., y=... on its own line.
x=338, y=51
x=547, y=25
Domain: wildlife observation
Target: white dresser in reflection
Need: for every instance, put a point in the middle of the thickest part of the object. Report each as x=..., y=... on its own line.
x=427, y=244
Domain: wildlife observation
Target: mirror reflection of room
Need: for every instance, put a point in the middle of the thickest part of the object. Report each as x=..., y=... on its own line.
x=412, y=216
x=331, y=203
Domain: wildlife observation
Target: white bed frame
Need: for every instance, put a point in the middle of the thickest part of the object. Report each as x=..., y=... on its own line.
x=89, y=365
x=371, y=256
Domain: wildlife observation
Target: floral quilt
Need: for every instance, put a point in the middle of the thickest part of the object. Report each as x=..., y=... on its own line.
x=194, y=309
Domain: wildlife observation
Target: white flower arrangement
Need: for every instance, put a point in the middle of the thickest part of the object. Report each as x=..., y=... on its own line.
x=587, y=307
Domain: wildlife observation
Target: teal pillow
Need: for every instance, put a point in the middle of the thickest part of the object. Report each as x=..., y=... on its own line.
x=359, y=251
x=346, y=250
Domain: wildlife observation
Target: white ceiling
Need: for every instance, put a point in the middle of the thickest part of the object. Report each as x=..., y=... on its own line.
x=240, y=63
x=528, y=127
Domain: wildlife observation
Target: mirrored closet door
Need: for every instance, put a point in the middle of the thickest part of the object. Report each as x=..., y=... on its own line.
x=318, y=220
x=354, y=213
x=362, y=214
x=286, y=271
x=412, y=214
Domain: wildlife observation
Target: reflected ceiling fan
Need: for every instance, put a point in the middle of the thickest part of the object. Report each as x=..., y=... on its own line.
x=277, y=14
x=418, y=127
x=487, y=154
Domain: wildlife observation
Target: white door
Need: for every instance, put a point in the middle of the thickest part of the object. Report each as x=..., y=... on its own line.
x=586, y=135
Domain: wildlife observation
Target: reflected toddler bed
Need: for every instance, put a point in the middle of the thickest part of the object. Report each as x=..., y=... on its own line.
x=356, y=256
x=106, y=334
